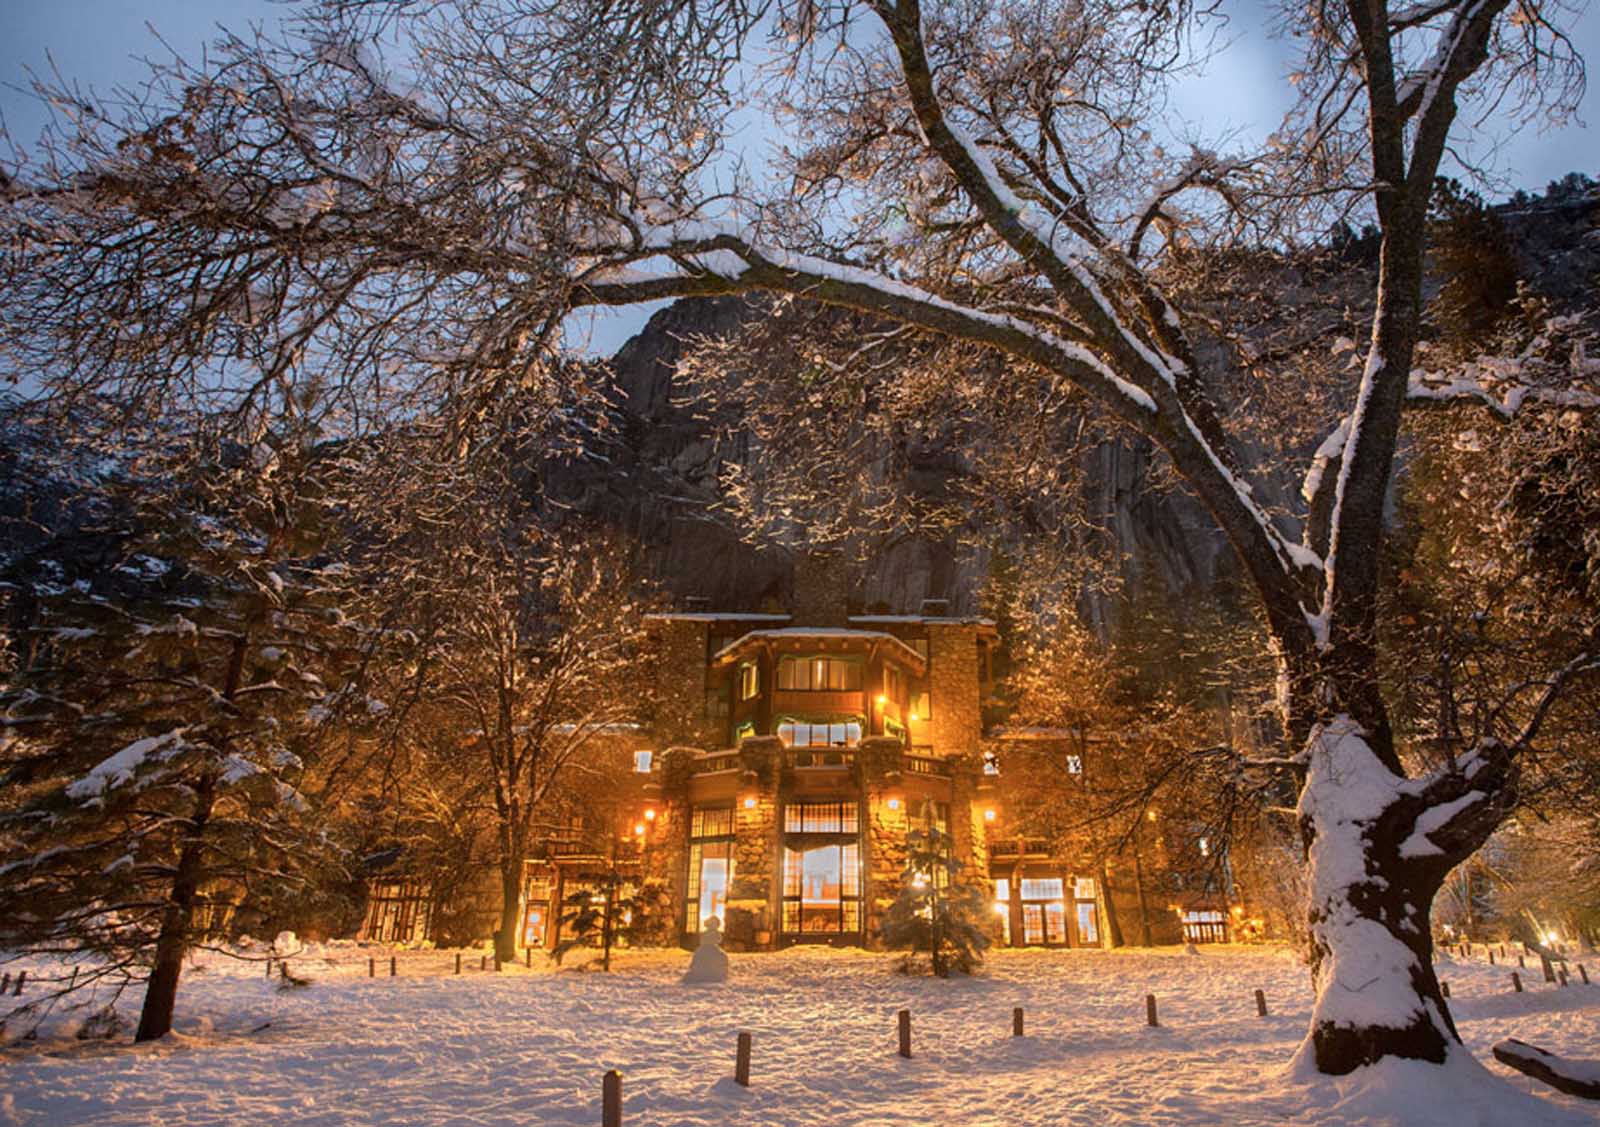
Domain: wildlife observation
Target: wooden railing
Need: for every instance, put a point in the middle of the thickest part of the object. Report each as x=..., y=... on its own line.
x=925, y=765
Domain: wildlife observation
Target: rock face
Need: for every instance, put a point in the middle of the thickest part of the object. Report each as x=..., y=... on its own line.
x=661, y=484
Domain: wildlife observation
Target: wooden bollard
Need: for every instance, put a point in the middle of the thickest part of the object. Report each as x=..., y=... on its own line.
x=1583, y=974
x=1516, y=982
x=1561, y=977
x=22, y=977
x=1548, y=968
x=1444, y=989
x=1502, y=950
x=1261, y=1003
x=527, y=957
x=1016, y=1021
x=458, y=962
x=392, y=967
x=1522, y=962
x=372, y=966
x=741, y=1062
x=611, y=1100
x=1491, y=956
x=73, y=981
x=1150, y=1010
x=269, y=966
x=483, y=962
x=905, y=1032
x=5, y=982
x=497, y=962
x=283, y=970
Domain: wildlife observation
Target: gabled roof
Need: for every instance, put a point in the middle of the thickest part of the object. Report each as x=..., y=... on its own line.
x=825, y=638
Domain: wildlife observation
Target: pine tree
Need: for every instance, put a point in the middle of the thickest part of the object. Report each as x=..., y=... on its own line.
x=613, y=912
x=177, y=655
x=936, y=911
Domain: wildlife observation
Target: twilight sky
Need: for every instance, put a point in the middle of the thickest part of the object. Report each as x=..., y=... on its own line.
x=99, y=43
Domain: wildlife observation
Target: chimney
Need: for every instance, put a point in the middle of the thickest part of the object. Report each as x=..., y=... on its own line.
x=821, y=589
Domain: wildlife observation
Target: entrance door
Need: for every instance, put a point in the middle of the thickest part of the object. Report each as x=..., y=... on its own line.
x=716, y=874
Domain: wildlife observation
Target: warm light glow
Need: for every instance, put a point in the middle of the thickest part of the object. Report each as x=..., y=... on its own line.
x=894, y=804
x=919, y=881
x=1553, y=937
x=638, y=828
x=650, y=815
x=913, y=714
x=749, y=804
x=988, y=815
x=882, y=700
x=1001, y=907
x=1150, y=814
x=1238, y=911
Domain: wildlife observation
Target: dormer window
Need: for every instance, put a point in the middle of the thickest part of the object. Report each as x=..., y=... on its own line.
x=749, y=680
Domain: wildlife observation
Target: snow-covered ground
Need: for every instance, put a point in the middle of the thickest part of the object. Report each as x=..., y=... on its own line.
x=428, y=1049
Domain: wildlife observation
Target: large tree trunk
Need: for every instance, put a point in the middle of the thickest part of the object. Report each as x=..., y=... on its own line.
x=161, y=992
x=1113, y=927
x=1380, y=846
x=505, y=936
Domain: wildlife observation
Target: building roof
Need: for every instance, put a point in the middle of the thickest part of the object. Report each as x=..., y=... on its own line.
x=904, y=653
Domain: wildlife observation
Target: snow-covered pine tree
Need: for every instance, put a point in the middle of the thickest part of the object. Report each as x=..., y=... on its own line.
x=936, y=911
x=176, y=655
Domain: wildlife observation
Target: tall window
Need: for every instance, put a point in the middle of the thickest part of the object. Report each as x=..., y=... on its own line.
x=822, y=889
x=749, y=680
x=819, y=674
x=710, y=865
x=821, y=868
x=894, y=683
x=800, y=733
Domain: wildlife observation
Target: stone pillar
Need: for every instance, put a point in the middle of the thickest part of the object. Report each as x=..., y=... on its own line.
x=666, y=856
x=753, y=901
x=681, y=681
x=883, y=838
x=953, y=691
x=821, y=589
x=967, y=824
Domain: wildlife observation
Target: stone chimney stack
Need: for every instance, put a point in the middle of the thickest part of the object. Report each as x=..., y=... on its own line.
x=821, y=589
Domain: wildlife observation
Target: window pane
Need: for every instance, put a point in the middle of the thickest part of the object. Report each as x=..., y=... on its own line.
x=1049, y=888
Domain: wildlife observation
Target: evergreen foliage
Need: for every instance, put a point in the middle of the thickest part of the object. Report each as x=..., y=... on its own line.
x=177, y=652
x=614, y=912
x=936, y=911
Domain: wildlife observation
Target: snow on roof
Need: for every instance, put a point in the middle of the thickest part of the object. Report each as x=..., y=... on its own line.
x=789, y=632
x=919, y=619
x=718, y=616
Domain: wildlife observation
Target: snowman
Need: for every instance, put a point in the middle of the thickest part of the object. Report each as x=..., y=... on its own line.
x=710, y=961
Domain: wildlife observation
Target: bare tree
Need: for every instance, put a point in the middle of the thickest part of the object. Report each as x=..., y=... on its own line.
x=991, y=175
x=526, y=630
